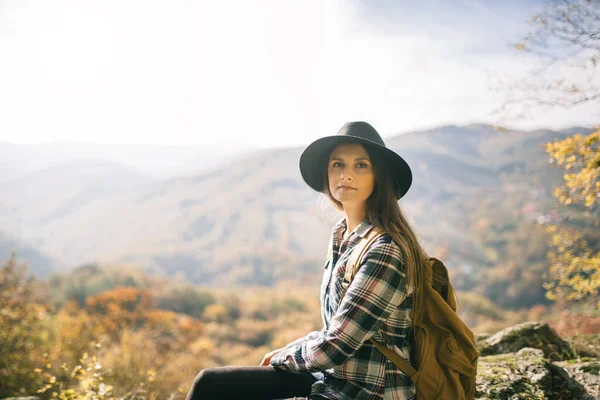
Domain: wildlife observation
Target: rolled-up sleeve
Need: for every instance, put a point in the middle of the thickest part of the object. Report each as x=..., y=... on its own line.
x=377, y=290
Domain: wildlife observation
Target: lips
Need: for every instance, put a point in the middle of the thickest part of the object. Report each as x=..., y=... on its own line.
x=346, y=187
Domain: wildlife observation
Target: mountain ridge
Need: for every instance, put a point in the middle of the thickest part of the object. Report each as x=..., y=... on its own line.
x=255, y=214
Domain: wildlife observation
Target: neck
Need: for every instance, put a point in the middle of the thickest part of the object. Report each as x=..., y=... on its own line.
x=355, y=214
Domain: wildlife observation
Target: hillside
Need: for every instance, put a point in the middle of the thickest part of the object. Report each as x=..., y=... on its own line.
x=254, y=221
x=37, y=262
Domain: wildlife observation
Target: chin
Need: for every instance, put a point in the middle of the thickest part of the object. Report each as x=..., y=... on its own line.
x=350, y=200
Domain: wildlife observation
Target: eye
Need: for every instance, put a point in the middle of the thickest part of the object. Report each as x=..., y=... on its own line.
x=363, y=165
x=336, y=164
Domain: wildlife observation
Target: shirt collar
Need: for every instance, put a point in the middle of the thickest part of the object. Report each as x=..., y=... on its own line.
x=361, y=230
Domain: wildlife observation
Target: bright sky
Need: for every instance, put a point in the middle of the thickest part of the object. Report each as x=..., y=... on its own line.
x=270, y=73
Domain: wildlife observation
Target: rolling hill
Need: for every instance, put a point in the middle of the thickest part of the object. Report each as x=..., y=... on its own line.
x=254, y=221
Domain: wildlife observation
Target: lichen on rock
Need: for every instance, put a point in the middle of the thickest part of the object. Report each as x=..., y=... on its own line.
x=526, y=374
x=529, y=334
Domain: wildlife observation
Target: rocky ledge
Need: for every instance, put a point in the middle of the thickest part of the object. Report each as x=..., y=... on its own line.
x=530, y=361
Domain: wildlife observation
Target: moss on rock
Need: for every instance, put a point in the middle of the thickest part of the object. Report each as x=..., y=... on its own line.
x=526, y=374
x=529, y=334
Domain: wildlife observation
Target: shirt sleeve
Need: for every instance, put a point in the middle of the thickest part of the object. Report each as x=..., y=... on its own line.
x=377, y=290
x=309, y=336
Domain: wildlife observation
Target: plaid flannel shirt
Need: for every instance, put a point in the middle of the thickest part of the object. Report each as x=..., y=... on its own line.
x=375, y=305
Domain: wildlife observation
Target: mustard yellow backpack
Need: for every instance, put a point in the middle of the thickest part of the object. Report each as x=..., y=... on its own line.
x=443, y=347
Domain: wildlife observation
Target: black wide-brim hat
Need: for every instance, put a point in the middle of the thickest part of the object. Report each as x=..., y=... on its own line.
x=314, y=159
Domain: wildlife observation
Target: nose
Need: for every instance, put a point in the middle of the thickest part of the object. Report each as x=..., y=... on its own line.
x=346, y=175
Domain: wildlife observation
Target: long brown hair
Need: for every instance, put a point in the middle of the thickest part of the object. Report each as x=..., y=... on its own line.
x=383, y=211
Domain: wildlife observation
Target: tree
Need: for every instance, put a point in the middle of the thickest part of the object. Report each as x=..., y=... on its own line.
x=119, y=308
x=575, y=260
x=564, y=43
x=23, y=331
x=565, y=40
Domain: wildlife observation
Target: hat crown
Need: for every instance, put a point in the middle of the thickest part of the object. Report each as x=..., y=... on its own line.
x=361, y=130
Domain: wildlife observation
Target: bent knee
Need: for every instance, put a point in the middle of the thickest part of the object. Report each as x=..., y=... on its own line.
x=204, y=384
x=206, y=376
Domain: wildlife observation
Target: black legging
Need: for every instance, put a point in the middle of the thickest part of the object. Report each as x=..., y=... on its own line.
x=250, y=383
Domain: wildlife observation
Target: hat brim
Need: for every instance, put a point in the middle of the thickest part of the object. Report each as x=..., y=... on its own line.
x=313, y=163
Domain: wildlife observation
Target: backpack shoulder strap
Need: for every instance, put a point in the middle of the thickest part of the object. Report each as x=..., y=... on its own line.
x=352, y=267
x=400, y=362
x=358, y=252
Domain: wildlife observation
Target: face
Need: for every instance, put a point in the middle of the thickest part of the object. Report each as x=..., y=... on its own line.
x=350, y=174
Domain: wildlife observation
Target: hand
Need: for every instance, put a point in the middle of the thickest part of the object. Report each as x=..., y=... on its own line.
x=266, y=361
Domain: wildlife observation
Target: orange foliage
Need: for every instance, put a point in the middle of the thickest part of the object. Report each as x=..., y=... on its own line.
x=125, y=298
x=120, y=308
x=571, y=324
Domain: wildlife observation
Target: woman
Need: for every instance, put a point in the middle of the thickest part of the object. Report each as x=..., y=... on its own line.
x=364, y=179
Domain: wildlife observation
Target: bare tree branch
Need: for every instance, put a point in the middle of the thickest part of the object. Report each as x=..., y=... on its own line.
x=565, y=38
